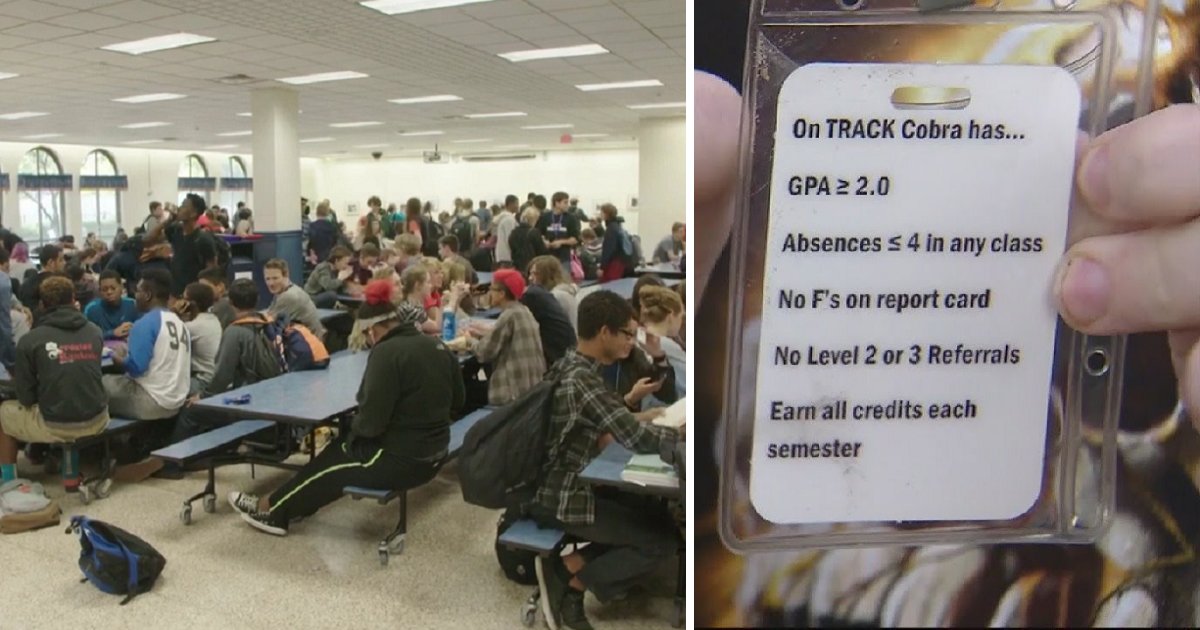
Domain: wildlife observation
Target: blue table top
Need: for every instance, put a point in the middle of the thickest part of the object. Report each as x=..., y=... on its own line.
x=330, y=313
x=606, y=469
x=352, y=299
x=485, y=277
x=622, y=287
x=308, y=397
x=666, y=270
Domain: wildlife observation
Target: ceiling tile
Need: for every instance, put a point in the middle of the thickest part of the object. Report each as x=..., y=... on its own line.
x=136, y=11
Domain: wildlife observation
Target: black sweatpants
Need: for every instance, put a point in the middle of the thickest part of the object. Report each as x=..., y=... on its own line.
x=320, y=482
x=630, y=535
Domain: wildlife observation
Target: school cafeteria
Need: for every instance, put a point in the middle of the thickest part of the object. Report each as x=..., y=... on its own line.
x=325, y=313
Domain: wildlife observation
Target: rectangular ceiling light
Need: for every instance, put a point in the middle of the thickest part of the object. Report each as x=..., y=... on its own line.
x=307, y=140
x=22, y=115
x=8, y=75
x=152, y=141
x=498, y=115
x=619, y=85
x=42, y=136
x=436, y=98
x=657, y=105
x=145, y=125
x=421, y=133
x=162, y=42
x=246, y=114
x=472, y=141
x=353, y=125
x=234, y=134
x=321, y=77
x=536, y=127
x=396, y=7
x=222, y=146
x=554, y=53
x=150, y=98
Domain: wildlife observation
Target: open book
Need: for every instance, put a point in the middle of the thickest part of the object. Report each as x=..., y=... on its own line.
x=650, y=470
x=675, y=416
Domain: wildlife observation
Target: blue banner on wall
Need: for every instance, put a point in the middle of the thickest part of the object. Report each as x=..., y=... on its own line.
x=197, y=183
x=45, y=182
x=237, y=183
x=103, y=182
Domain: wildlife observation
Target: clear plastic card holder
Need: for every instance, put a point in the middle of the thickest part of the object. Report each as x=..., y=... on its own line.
x=897, y=372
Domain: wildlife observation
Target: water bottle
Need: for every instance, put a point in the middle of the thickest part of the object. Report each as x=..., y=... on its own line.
x=448, y=327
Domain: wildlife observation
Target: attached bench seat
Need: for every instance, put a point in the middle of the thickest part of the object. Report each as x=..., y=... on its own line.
x=394, y=542
x=97, y=486
x=205, y=446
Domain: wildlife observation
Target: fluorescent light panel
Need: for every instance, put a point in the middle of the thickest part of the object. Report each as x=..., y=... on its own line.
x=498, y=115
x=536, y=127
x=142, y=141
x=657, y=105
x=150, y=98
x=8, y=75
x=234, y=134
x=554, y=53
x=436, y=98
x=321, y=77
x=246, y=114
x=145, y=125
x=42, y=136
x=162, y=42
x=308, y=140
x=22, y=115
x=619, y=85
x=396, y=7
x=353, y=125
x=421, y=133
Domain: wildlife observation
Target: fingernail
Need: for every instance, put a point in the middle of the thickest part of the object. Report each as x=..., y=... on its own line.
x=1083, y=290
x=1093, y=177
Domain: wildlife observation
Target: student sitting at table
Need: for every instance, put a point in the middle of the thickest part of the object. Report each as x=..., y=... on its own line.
x=216, y=280
x=364, y=267
x=400, y=433
x=414, y=287
x=204, y=329
x=157, y=364
x=408, y=251
x=513, y=345
x=244, y=357
x=646, y=370
x=290, y=299
x=456, y=276
x=112, y=311
x=662, y=316
x=543, y=274
x=632, y=534
x=448, y=249
x=556, y=329
x=328, y=279
x=59, y=393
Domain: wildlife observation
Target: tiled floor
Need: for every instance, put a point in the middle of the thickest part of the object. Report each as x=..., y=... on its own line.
x=324, y=574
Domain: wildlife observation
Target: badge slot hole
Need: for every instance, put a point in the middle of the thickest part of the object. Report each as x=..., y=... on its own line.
x=930, y=97
x=1097, y=362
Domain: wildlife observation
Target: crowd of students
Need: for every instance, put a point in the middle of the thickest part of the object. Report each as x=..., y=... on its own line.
x=177, y=331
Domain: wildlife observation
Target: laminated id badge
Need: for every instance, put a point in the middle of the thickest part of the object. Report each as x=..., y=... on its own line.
x=900, y=374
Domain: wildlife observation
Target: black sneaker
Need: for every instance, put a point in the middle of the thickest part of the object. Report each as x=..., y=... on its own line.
x=571, y=609
x=246, y=505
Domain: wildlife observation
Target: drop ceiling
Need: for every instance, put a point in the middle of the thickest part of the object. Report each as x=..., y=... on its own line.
x=55, y=48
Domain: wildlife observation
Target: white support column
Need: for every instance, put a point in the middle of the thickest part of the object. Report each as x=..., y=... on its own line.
x=662, y=175
x=276, y=169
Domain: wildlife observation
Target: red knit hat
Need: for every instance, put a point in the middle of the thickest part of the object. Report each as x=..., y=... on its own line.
x=512, y=279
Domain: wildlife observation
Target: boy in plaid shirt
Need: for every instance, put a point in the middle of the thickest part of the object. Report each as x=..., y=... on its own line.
x=514, y=345
x=631, y=534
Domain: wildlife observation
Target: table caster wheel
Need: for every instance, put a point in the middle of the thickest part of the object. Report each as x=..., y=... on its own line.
x=185, y=514
x=383, y=557
x=210, y=503
x=103, y=488
x=85, y=495
x=396, y=547
x=528, y=614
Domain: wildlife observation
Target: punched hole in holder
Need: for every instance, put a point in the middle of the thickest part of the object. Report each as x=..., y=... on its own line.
x=930, y=97
x=851, y=5
x=1096, y=362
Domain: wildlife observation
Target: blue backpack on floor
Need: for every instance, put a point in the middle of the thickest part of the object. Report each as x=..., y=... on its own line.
x=114, y=560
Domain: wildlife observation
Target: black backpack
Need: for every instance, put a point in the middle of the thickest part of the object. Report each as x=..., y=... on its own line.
x=461, y=229
x=517, y=564
x=500, y=463
x=223, y=252
x=431, y=233
x=114, y=560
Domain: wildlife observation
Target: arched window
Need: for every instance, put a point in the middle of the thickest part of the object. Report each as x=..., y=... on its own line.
x=41, y=210
x=193, y=167
x=234, y=167
x=100, y=195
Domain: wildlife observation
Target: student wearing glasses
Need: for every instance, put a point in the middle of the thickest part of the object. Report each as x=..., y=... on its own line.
x=513, y=346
